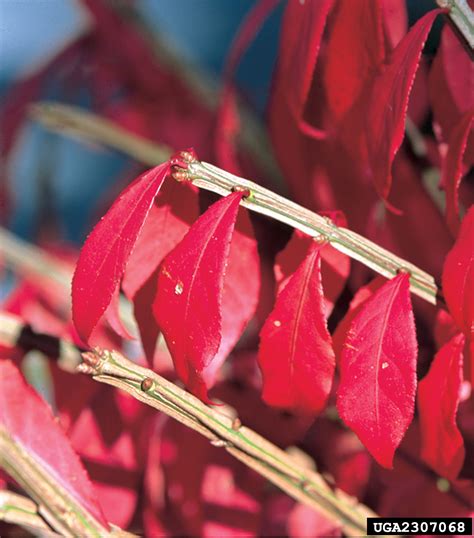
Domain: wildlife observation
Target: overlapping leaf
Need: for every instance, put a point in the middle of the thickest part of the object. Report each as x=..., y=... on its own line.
x=107, y=436
x=376, y=394
x=451, y=87
x=442, y=445
x=387, y=103
x=453, y=168
x=362, y=294
x=187, y=306
x=395, y=19
x=335, y=266
x=112, y=316
x=458, y=276
x=355, y=49
x=106, y=251
x=28, y=420
x=143, y=314
x=303, y=27
x=409, y=235
x=174, y=210
x=240, y=294
x=444, y=328
x=296, y=356
x=411, y=489
x=341, y=454
x=210, y=494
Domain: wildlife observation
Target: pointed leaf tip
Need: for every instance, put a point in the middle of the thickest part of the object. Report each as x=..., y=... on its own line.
x=385, y=105
x=458, y=276
x=106, y=251
x=452, y=169
x=376, y=394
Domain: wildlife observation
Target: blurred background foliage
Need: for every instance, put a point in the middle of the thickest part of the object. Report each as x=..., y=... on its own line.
x=57, y=183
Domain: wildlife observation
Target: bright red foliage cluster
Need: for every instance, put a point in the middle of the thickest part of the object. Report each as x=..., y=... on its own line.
x=226, y=294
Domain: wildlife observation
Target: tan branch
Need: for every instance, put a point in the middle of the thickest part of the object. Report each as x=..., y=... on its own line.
x=55, y=504
x=266, y=202
x=79, y=123
x=225, y=430
x=19, y=510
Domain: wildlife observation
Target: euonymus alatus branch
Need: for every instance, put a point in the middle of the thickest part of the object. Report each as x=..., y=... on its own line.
x=225, y=430
x=221, y=426
x=261, y=200
x=266, y=202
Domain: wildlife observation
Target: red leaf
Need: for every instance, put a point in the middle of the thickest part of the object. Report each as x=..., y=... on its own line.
x=26, y=417
x=376, y=394
x=451, y=84
x=106, y=251
x=407, y=235
x=303, y=26
x=442, y=444
x=153, y=495
x=143, y=313
x=187, y=306
x=444, y=328
x=296, y=356
x=340, y=453
x=411, y=489
x=395, y=20
x=458, y=68
x=175, y=208
x=107, y=437
x=458, y=276
x=112, y=315
x=386, y=103
x=355, y=49
x=227, y=129
x=208, y=493
x=20, y=95
x=303, y=521
x=335, y=266
x=355, y=307
x=137, y=61
x=240, y=294
x=453, y=168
